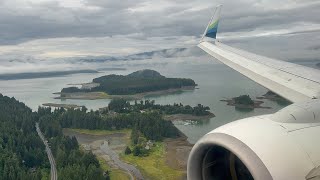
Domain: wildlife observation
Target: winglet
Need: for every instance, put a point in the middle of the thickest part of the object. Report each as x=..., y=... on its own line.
x=212, y=28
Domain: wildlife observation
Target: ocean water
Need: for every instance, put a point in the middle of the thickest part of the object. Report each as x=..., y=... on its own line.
x=215, y=82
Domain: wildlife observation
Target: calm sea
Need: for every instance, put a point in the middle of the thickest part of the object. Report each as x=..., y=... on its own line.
x=215, y=82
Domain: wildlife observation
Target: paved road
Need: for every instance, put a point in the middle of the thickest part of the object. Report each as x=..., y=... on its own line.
x=53, y=172
x=127, y=167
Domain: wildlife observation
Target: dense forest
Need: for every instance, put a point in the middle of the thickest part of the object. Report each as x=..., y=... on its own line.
x=145, y=126
x=22, y=153
x=151, y=125
x=144, y=118
x=123, y=106
x=72, y=163
x=137, y=82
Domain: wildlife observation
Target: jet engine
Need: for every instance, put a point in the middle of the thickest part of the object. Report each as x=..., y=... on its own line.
x=280, y=146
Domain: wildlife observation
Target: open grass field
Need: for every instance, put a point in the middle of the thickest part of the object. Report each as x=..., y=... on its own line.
x=154, y=166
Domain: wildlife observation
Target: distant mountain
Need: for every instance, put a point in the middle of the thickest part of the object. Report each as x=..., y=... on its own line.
x=164, y=53
x=30, y=67
x=34, y=75
x=147, y=73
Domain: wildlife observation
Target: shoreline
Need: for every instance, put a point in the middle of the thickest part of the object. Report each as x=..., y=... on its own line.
x=103, y=95
x=67, y=106
x=274, y=97
x=257, y=104
x=185, y=117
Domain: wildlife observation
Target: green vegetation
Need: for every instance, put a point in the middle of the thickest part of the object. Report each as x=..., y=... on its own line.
x=145, y=119
x=113, y=173
x=134, y=83
x=127, y=151
x=151, y=124
x=154, y=166
x=72, y=163
x=244, y=100
x=145, y=126
x=100, y=132
x=22, y=153
x=120, y=106
x=123, y=106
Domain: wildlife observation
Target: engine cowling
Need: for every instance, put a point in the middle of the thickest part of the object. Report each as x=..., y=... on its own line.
x=262, y=147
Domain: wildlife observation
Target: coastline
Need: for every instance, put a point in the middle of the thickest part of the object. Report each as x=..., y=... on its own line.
x=102, y=95
x=185, y=117
x=274, y=97
x=67, y=106
x=257, y=104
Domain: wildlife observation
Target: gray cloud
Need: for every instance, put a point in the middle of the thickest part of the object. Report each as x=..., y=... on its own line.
x=42, y=29
x=20, y=21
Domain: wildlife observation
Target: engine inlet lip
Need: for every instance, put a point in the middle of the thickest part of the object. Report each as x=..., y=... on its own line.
x=249, y=158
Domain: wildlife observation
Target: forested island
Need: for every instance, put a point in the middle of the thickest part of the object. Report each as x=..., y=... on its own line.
x=139, y=82
x=35, y=75
x=244, y=102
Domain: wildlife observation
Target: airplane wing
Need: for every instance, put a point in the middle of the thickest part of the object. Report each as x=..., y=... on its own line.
x=294, y=82
x=274, y=146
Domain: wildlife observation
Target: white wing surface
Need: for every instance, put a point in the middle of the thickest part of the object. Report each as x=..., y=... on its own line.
x=276, y=146
x=294, y=82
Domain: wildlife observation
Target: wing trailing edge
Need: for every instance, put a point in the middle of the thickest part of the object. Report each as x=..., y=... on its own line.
x=294, y=82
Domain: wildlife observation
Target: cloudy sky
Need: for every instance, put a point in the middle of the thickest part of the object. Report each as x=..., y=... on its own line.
x=46, y=29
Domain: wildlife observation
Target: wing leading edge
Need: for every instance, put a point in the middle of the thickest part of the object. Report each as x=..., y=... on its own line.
x=294, y=82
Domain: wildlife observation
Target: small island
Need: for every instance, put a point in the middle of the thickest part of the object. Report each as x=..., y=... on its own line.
x=132, y=86
x=244, y=102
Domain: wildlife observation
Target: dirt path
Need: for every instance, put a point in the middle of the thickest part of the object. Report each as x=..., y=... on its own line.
x=108, y=147
x=133, y=171
x=177, y=150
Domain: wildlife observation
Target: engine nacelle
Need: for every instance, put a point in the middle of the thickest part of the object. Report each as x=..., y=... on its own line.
x=260, y=148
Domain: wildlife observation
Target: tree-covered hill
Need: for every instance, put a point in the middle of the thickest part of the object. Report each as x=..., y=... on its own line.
x=72, y=162
x=137, y=82
x=22, y=153
x=147, y=73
